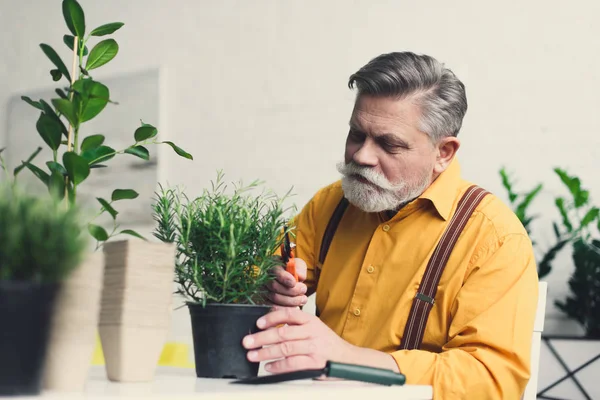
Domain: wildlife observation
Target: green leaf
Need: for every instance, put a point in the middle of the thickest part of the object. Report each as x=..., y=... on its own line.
x=180, y=151
x=107, y=29
x=108, y=207
x=62, y=94
x=77, y=167
x=132, y=233
x=98, y=155
x=560, y=203
x=50, y=112
x=590, y=216
x=56, y=167
x=56, y=75
x=124, y=194
x=139, y=151
x=56, y=60
x=49, y=130
x=56, y=185
x=66, y=108
x=32, y=103
x=98, y=232
x=74, y=17
x=556, y=231
x=42, y=175
x=599, y=223
x=97, y=166
x=31, y=157
x=70, y=42
x=92, y=98
x=92, y=142
x=102, y=53
x=145, y=132
x=582, y=198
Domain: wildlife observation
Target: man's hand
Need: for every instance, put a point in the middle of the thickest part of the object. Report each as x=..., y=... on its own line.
x=284, y=290
x=303, y=341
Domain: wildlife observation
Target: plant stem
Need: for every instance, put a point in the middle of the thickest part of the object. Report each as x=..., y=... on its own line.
x=70, y=133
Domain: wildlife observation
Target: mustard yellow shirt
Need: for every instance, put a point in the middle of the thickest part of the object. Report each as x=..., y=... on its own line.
x=478, y=336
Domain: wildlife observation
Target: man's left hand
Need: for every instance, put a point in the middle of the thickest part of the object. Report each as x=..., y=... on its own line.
x=296, y=340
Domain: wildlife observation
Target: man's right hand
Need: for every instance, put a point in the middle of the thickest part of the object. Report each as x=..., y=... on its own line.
x=284, y=290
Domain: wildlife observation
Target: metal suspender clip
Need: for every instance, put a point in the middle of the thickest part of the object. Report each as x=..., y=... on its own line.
x=425, y=298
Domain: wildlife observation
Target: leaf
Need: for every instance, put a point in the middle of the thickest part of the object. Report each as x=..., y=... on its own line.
x=180, y=151
x=545, y=265
x=560, y=203
x=70, y=42
x=139, y=151
x=108, y=207
x=98, y=155
x=92, y=98
x=74, y=17
x=92, y=142
x=98, y=232
x=56, y=75
x=77, y=167
x=56, y=60
x=97, y=166
x=62, y=94
x=107, y=29
x=32, y=103
x=124, y=194
x=66, y=108
x=31, y=157
x=56, y=167
x=145, y=132
x=50, y=112
x=590, y=216
x=102, y=53
x=132, y=233
x=556, y=231
x=582, y=198
x=522, y=207
x=42, y=175
x=56, y=185
x=49, y=130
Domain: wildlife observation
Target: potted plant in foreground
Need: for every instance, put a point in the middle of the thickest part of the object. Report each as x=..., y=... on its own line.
x=226, y=245
x=40, y=245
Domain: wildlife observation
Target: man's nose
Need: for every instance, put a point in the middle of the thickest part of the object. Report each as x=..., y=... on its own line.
x=366, y=154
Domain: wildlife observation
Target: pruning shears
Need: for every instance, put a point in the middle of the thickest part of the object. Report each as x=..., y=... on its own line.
x=287, y=254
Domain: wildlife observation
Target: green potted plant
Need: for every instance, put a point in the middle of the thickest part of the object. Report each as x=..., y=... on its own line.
x=580, y=226
x=40, y=245
x=226, y=246
x=73, y=156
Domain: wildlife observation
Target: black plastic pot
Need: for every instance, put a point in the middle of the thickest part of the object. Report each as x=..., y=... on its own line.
x=218, y=330
x=25, y=316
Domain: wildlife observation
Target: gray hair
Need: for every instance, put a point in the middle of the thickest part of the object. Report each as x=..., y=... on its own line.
x=434, y=88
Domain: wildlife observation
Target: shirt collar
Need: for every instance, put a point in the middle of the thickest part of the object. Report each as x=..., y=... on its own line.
x=442, y=192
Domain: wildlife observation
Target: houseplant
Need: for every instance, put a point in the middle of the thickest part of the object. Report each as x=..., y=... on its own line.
x=520, y=203
x=226, y=246
x=40, y=245
x=74, y=157
x=580, y=226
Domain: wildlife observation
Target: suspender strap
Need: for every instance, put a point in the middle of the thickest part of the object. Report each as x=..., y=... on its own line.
x=334, y=221
x=424, y=299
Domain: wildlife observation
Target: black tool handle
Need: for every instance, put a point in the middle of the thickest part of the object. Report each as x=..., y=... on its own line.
x=364, y=373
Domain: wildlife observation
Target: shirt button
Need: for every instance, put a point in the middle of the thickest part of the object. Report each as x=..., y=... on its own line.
x=370, y=269
x=386, y=228
x=357, y=312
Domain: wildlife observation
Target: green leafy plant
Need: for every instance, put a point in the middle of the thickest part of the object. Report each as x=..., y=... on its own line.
x=580, y=218
x=81, y=99
x=40, y=241
x=226, y=242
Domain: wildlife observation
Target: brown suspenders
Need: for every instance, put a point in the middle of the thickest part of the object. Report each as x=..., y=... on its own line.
x=424, y=299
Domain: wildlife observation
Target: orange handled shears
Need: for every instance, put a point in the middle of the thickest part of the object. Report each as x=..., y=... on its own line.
x=287, y=254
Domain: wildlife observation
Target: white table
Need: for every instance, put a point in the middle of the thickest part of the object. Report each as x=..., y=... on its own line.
x=172, y=383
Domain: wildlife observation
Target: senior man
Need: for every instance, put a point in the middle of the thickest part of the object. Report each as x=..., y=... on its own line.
x=414, y=268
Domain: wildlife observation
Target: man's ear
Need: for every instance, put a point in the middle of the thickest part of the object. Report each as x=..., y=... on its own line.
x=446, y=150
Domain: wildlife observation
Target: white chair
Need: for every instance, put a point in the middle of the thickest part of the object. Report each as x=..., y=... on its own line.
x=531, y=388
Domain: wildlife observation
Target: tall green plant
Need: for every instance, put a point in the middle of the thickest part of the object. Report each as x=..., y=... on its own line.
x=226, y=243
x=81, y=99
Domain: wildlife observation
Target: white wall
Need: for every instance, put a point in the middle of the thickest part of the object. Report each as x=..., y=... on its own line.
x=258, y=88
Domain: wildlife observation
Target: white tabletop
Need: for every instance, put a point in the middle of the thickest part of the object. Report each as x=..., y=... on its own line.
x=173, y=383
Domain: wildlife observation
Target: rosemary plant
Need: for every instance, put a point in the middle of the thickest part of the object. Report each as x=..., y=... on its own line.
x=227, y=243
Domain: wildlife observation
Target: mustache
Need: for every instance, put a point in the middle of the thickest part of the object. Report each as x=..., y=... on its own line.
x=352, y=169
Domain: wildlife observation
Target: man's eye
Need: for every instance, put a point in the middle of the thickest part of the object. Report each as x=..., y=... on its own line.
x=356, y=136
